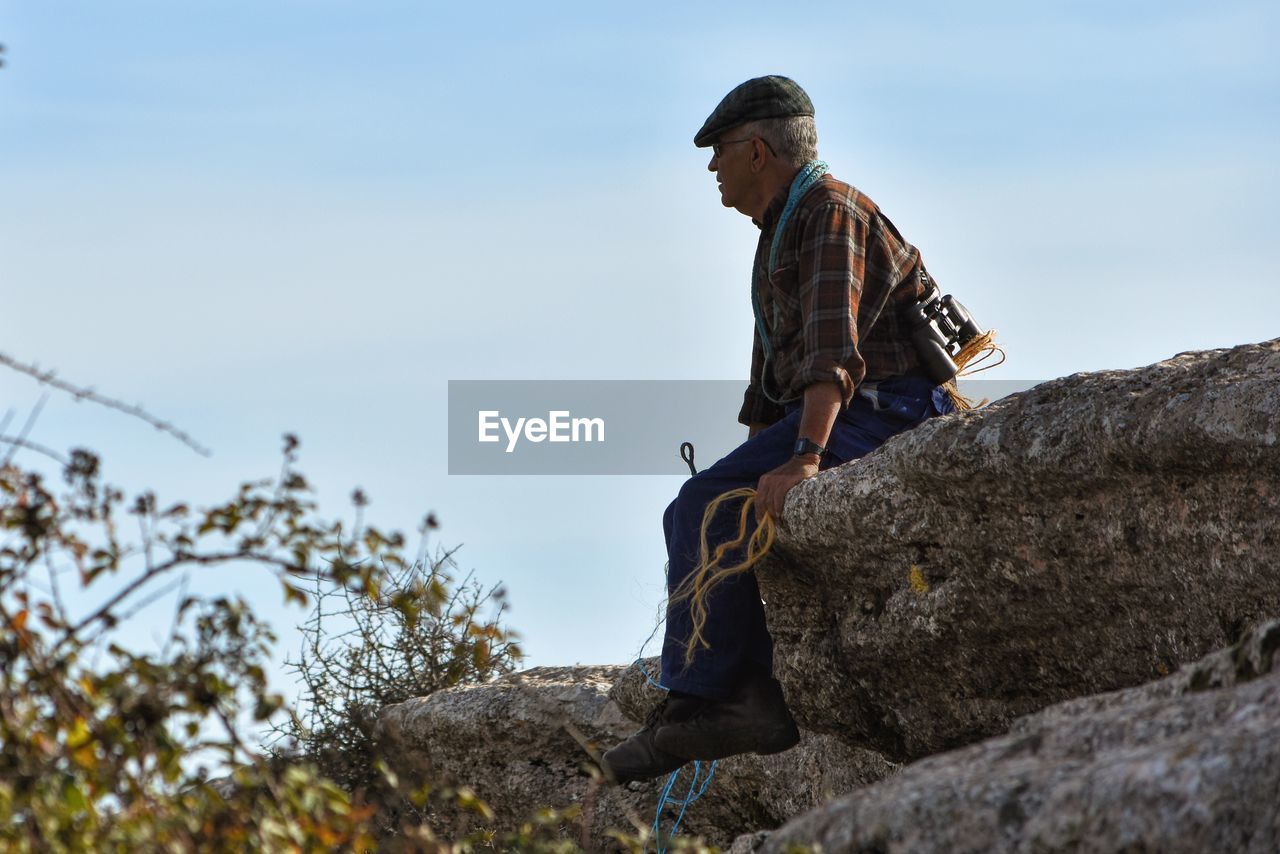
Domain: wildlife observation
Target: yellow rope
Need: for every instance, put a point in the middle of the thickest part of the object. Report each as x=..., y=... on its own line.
x=977, y=351
x=708, y=573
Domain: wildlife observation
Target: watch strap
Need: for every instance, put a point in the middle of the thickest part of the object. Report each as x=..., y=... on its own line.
x=808, y=446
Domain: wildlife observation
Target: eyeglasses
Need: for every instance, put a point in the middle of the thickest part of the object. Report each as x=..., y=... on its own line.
x=715, y=149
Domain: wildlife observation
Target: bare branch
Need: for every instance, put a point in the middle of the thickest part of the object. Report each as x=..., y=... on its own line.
x=79, y=393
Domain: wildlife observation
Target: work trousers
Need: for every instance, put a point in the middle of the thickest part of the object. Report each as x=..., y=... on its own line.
x=735, y=627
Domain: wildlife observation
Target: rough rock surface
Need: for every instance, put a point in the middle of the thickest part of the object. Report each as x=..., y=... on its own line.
x=1090, y=534
x=509, y=741
x=634, y=693
x=1190, y=763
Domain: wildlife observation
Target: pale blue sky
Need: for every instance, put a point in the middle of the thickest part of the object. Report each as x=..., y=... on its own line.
x=264, y=216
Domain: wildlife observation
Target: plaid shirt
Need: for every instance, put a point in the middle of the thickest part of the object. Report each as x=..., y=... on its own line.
x=831, y=303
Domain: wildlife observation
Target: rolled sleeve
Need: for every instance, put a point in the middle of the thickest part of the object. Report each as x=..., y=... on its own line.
x=832, y=265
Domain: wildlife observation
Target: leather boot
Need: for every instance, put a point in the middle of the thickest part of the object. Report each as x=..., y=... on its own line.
x=638, y=758
x=754, y=720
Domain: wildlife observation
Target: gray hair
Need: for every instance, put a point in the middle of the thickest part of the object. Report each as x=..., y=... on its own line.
x=794, y=138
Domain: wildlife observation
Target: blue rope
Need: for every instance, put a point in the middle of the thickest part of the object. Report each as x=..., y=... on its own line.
x=804, y=180
x=640, y=666
x=684, y=802
x=665, y=799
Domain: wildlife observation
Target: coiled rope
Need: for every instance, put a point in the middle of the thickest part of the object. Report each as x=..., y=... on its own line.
x=971, y=355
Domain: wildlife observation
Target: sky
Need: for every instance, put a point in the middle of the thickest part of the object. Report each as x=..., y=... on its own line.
x=260, y=217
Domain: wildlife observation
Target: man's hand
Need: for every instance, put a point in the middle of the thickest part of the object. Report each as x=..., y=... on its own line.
x=771, y=491
x=821, y=405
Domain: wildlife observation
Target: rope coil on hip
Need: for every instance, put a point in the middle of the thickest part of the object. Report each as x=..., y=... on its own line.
x=971, y=355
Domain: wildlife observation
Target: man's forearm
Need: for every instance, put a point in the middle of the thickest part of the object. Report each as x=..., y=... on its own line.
x=821, y=406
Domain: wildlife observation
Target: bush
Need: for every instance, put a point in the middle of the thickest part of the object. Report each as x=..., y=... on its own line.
x=417, y=634
x=111, y=748
x=105, y=746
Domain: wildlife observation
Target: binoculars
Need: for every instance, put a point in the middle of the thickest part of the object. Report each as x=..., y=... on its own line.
x=940, y=328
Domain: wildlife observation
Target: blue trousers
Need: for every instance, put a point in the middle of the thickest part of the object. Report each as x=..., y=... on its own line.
x=735, y=627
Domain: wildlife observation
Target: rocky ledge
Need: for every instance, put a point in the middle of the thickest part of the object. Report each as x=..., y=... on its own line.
x=1095, y=533
x=1190, y=763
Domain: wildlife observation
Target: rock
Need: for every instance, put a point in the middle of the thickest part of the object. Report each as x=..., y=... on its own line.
x=634, y=693
x=513, y=742
x=748, y=843
x=1190, y=763
x=1093, y=533
x=508, y=740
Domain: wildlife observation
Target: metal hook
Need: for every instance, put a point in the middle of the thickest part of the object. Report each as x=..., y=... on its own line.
x=686, y=454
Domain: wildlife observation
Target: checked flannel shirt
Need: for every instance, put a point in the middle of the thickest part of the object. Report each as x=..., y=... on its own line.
x=830, y=304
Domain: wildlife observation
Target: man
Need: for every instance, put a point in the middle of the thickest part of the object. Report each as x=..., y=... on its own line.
x=833, y=375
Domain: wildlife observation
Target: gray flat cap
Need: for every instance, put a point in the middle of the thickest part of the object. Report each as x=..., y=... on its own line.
x=771, y=97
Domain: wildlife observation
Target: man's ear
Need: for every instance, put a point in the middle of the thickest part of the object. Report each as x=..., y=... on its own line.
x=758, y=152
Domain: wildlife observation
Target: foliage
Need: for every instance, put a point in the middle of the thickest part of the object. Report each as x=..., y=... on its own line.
x=105, y=746
x=109, y=748
x=419, y=633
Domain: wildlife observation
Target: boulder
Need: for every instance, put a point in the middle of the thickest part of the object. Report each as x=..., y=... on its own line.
x=1190, y=763
x=528, y=740
x=1092, y=533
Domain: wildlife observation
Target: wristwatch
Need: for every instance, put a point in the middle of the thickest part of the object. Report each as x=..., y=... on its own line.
x=808, y=446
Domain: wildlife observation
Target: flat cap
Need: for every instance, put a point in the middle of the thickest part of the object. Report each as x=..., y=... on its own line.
x=771, y=97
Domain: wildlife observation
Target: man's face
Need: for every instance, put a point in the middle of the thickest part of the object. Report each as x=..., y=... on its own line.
x=731, y=161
